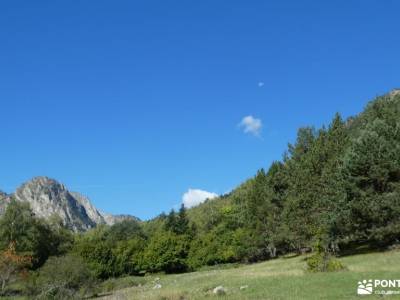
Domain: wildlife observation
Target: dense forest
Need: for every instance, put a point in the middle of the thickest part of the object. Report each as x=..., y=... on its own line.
x=336, y=190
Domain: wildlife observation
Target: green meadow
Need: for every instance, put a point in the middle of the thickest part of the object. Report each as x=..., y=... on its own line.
x=283, y=278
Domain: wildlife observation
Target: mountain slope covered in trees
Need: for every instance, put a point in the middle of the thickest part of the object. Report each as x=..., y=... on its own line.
x=337, y=186
x=337, y=189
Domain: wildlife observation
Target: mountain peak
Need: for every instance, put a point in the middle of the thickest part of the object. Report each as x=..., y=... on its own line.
x=44, y=181
x=48, y=197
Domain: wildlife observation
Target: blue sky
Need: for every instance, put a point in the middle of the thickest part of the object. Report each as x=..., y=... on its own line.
x=132, y=103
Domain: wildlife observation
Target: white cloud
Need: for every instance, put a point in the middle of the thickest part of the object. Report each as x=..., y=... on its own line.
x=251, y=125
x=194, y=197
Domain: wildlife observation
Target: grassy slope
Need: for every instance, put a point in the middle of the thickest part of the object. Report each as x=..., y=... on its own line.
x=282, y=278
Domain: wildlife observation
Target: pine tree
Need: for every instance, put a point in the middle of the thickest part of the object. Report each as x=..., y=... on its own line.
x=182, y=222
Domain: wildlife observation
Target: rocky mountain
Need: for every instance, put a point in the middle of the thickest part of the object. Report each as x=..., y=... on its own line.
x=97, y=216
x=47, y=197
x=112, y=219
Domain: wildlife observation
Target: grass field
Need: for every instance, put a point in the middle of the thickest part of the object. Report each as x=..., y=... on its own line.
x=283, y=278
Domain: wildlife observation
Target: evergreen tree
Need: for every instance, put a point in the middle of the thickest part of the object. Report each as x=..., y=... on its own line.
x=372, y=174
x=182, y=221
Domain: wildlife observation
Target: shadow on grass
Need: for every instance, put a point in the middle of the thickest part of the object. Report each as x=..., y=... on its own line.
x=356, y=249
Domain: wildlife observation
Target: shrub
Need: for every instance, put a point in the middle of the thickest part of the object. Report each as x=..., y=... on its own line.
x=63, y=277
x=323, y=262
x=12, y=266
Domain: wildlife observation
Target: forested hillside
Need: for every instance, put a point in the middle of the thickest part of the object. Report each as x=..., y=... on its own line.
x=336, y=189
x=337, y=186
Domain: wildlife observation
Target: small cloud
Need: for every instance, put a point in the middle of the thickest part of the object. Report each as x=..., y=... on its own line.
x=194, y=197
x=251, y=125
x=261, y=84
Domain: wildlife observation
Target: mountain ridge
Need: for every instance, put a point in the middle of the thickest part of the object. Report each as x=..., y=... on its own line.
x=48, y=197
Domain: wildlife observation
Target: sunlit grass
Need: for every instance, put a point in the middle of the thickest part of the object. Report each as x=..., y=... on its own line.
x=284, y=278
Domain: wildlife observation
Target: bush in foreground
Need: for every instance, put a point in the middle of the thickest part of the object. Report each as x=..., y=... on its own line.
x=64, y=277
x=12, y=266
x=322, y=260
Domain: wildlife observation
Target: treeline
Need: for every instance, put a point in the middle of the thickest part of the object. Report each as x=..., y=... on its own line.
x=336, y=189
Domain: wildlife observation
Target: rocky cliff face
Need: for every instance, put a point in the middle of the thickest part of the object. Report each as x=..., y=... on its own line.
x=112, y=219
x=47, y=197
x=91, y=211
